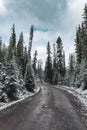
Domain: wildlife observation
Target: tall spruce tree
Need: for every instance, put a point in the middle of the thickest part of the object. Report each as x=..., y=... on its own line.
x=20, y=53
x=48, y=66
x=20, y=49
x=78, y=45
x=54, y=57
x=34, y=62
x=59, y=59
x=63, y=62
x=4, y=54
x=25, y=60
x=40, y=72
x=55, y=73
x=30, y=41
x=12, y=44
x=84, y=48
x=85, y=17
x=29, y=76
x=0, y=49
x=71, y=69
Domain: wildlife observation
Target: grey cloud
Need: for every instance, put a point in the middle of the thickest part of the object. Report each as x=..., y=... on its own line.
x=47, y=12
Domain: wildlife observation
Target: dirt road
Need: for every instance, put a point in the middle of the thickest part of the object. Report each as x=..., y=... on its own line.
x=48, y=110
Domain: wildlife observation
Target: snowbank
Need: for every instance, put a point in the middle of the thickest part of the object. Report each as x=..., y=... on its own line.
x=22, y=97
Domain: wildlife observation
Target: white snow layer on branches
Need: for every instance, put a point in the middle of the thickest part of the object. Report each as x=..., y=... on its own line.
x=22, y=97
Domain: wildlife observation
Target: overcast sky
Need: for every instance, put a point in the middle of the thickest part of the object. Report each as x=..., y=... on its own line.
x=51, y=18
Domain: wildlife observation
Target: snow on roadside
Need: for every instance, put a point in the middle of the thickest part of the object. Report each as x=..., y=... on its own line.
x=79, y=93
x=22, y=97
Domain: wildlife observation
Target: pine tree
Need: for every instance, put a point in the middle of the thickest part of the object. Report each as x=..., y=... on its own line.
x=13, y=38
x=13, y=80
x=83, y=74
x=48, y=66
x=4, y=54
x=55, y=73
x=55, y=77
x=54, y=57
x=29, y=76
x=45, y=72
x=59, y=60
x=0, y=49
x=84, y=48
x=83, y=66
x=63, y=62
x=15, y=67
x=40, y=72
x=71, y=63
x=85, y=17
x=20, y=50
x=81, y=50
x=71, y=69
x=25, y=60
x=34, y=63
x=78, y=45
x=30, y=41
x=12, y=44
x=20, y=53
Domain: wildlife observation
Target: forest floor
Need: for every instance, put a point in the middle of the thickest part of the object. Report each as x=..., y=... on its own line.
x=50, y=109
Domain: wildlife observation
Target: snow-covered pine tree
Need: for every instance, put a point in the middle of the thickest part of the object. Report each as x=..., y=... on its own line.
x=64, y=64
x=66, y=79
x=85, y=17
x=3, y=94
x=12, y=44
x=30, y=41
x=29, y=78
x=45, y=72
x=71, y=69
x=55, y=73
x=59, y=59
x=40, y=71
x=19, y=54
x=48, y=66
x=78, y=45
x=25, y=60
x=0, y=49
x=83, y=65
x=4, y=54
x=20, y=49
x=81, y=52
x=13, y=80
x=77, y=81
x=29, y=74
x=80, y=37
x=34, y=62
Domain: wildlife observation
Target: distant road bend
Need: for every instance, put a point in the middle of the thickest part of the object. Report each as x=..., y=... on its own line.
x=50, y=109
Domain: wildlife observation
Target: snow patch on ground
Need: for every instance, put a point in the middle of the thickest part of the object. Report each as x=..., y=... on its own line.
x=22, y=97
x=78, y=92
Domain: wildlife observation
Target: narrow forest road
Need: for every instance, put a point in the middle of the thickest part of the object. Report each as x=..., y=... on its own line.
x=48, y=110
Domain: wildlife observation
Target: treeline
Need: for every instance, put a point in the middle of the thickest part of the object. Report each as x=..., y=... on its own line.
x=16, y=73
x=76, y=73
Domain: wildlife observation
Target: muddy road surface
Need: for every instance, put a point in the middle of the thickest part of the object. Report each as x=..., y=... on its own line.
x=50, y=109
